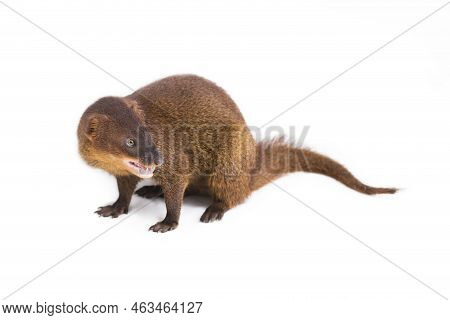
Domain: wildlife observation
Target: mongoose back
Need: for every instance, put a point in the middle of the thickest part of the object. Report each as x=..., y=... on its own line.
x=188, y=136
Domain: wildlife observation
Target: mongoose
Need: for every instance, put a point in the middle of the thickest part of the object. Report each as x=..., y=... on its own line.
x=187, y=135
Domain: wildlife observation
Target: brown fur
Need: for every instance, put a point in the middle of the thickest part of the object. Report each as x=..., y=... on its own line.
x=205, y=143
x=282, y=158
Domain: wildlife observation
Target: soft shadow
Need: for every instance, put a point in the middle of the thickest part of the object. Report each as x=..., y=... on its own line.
x=197, y=201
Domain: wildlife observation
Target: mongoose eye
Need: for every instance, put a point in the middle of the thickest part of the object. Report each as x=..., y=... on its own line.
x=130, y=142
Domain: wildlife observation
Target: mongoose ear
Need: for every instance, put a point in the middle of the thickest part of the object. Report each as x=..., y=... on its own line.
x=92, y=125
x=134, y=106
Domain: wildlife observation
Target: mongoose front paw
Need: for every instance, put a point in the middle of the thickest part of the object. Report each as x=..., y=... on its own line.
x=112, y=211
x=163, y=226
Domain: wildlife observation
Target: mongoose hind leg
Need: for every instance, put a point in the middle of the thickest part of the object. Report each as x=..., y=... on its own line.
x=227, y=193
x=150, y=192
x=214, y=212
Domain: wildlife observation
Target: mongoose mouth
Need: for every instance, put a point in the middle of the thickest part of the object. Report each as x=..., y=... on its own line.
x=140, y=170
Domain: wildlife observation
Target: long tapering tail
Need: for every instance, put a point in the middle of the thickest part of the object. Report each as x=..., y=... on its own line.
x=276, y=158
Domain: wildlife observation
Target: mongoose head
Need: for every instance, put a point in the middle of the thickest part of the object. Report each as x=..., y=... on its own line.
x=112, y=135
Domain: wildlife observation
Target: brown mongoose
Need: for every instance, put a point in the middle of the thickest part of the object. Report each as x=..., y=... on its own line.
x=188, y=136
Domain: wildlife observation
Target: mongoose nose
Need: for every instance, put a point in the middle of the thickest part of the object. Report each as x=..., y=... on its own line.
x=151, y=156
x=159, y=160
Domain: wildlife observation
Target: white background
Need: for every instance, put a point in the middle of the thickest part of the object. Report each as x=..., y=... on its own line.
x=386, y=120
